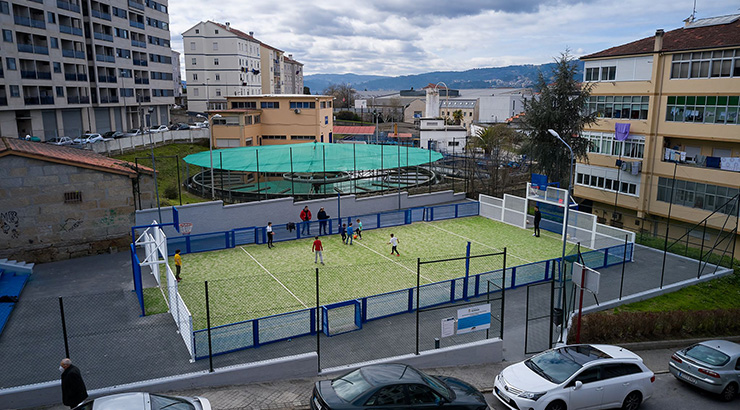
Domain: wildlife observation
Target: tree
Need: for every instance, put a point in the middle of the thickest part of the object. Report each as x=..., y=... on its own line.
x=306, y=90
x=457, y=117
x=344, y=94
x=560, y=106
x=498, y=143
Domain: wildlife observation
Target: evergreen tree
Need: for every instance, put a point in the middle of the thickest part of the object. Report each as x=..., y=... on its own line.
x=561, y=106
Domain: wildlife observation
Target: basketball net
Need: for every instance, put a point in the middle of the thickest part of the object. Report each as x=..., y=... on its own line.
x=186, y=228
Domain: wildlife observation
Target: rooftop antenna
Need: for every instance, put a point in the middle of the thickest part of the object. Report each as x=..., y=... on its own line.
x=692, y=17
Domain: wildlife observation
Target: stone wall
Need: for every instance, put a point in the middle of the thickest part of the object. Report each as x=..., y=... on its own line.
x=37, y=225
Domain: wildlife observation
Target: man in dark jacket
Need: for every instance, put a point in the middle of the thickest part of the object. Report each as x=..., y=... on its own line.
x=73, y=388
x=537, y=219
x=322, y=217
x=305, y=217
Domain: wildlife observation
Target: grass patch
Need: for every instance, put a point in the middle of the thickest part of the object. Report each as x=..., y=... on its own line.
x=167, y=169
x=154, y=303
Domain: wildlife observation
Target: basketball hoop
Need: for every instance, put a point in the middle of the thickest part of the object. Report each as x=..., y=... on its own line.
x=186, y=227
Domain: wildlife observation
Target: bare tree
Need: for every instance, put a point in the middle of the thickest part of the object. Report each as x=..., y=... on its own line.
x=343, y=94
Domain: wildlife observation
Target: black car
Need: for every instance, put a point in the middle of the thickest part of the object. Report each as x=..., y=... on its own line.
x=397, y=386
x=179, y=126
x=113, y=134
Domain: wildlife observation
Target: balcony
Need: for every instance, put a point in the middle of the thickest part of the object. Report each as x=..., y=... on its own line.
x=106, y=79
x=108, y=100
x=81, y=77
x=136, y=5
x=43, y=75
x=80, y=54
x=3, y=101
x=29, y=22
x=140, y=62
x=70, y=76
x=68, y=6
x=103, y=36
x=141, y=81
x=28, y=74
x=701, y=161
x=100, y=15
x=46, y=100
x=136, y=24
x=70, y=30
x=41, y=50
x=105, y=58
x=138, y=43
x=73, y=100
x=68, y=53
x=25, y=48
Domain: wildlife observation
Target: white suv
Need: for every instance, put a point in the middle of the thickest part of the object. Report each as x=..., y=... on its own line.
x=576, y=377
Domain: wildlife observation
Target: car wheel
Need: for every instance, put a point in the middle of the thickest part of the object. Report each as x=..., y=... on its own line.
x=556, y=405
x=729, y=393
x=632, y=401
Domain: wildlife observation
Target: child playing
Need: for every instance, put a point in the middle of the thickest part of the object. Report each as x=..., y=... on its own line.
x=359, y=229
x=394, y=245
x=350, y=233
x=343, y=231
x=317, y=248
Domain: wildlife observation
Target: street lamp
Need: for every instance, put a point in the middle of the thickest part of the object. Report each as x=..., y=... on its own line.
x=565, y=226
x=210, y=149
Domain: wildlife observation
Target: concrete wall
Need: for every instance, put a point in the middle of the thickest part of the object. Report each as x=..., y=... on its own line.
x=291, y=367
x=128, y=144
x=214, y=216
x=38, y=226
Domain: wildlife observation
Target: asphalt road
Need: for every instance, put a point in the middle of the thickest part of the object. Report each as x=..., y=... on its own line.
x=669, y=394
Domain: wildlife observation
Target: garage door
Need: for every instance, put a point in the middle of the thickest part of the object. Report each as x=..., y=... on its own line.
x=102, y=120
x=50, y=124
x=72, y=120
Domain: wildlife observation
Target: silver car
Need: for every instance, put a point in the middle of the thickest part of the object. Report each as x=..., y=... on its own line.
x=145, y=401
x=713, y=366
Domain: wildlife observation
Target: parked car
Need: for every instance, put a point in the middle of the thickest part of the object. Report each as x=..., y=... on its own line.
x=113, y=134
x=88, y=138
x=60, y=141
x=199, y=125
x=145, y=401
x=158, y=128
x=179, y=126
x=713, y=366
x=132, y=132
x=394, y=386
x=576, y=377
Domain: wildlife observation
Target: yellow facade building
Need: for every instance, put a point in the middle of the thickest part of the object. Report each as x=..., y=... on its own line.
x=680, y=93
x=272, y=119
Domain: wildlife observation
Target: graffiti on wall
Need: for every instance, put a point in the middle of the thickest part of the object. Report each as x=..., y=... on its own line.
x=71, y=224
x=10, y=223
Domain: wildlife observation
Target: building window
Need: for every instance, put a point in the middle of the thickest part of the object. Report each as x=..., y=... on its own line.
x=218, y=92
x=303, y=137
x=52, y=18
x=192, y=46
x=706, y=64
x=196, y=92
x=72, y=197
x=216, y=31
x=7, y=36
x=592, y=74
x=274, y=137
x=250, y=105
x=215, y=61
x=218, y=77
x=703, y=109
x=14, y=91
x=194, y=61
x=270, y=104
x=54, y=42
x=60, y=91
x=197, y=31
x=604, y=144
x=302, y=104
x=10, y=63
x=57, y=67
x=215, y=46
x=195, y=77
x=608, y=73
x=618, y=106
x=4, y=8
x=698, y=195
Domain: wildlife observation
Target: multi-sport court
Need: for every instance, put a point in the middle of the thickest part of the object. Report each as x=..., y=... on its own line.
x=251, y=281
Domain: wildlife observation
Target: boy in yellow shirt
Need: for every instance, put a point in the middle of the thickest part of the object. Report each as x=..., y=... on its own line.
x=178, y=264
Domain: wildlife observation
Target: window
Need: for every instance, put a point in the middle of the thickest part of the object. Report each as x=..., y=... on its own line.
x=592, y=74
x=54, y=42
x=270, y=104
x=618, y=106
x=4, y=8
x=196, y=92
x=302, y=104
x=215, y=61
x=303, y=137
x=608, y=73
x=388, y=396
x=419, y=394
x=218, y=77
x=10, y=63
x=250, y=105
x=195, y=77
x=216, y=31
x=51, y=17
x=57, y=67
x=14, y=91
x=194, y=61
x=60, y=91
x=218, y=92
x=706, y=64
x=197, y=31
x=7, y=36
x=274, y=137
x=119, y=32
x=703, y=109
x=192, y=46
x=215, y=46
x=72, y=197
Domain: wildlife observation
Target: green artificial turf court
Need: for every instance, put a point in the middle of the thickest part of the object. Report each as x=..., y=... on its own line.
x=252, y=281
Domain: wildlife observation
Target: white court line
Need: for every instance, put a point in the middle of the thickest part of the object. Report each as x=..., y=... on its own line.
x=276, y=279
x=410, y=270
x=479, y=243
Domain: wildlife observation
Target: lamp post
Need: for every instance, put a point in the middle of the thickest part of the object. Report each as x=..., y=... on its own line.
x=565, y=228
x=210, y=149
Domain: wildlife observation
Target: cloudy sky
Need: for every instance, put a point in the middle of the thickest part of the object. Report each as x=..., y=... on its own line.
x=394, y=37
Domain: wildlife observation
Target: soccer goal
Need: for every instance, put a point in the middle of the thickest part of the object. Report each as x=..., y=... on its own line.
x=341, y=317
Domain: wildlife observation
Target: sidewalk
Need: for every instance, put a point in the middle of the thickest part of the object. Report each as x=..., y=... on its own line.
x=296, y=393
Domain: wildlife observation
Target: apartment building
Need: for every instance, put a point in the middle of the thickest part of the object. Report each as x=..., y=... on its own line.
x=679, y=91
x=273, y=119
x=70, y=66
x=293, y=73
x=273, y=80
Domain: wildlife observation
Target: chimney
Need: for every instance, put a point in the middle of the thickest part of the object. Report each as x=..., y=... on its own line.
x=290, y=56
x=658, y=39
x=251, y=34
x=228, y=25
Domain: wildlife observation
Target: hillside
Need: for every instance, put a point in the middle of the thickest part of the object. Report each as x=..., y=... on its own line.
x=512, y=76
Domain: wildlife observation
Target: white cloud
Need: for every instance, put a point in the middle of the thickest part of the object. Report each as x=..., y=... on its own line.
x=393, y=37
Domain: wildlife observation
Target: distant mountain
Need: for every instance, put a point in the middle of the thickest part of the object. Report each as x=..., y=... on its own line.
x=512, y=76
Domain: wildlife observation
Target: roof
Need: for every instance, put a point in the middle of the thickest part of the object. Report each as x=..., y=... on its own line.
x=354, y=130
x=239, y=33
x=430, y=85
x=69, y=156
x=697, y=35
x=400, y=135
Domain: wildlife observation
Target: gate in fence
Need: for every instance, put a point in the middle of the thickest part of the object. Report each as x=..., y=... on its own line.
x=541, y=318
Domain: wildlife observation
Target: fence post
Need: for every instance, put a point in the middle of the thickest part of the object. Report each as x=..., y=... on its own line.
x=624, y=262
x=418, y=286
x=467, y=271
x=208, y=323
x=503, y=296
x=701, y=250
x=318, y=323
x=64, y=328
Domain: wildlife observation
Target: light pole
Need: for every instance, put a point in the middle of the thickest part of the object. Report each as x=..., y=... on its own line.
x=561, y=303
x=210, y=149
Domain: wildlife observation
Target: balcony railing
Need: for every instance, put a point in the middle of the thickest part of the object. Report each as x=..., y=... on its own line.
x=68, y=6
x=43, y=75
x=28, y=74
x=46, y=100
x=101, y=57
x=73, y=100
x=700, y=161
x=140, y=62
x=136, y=5
x=41, y=50
x=106, y=100
x=106, y=79
x=136, y=24
x=103, y=36
x=68, y=53
x=138, y=43
x=141, y=81
x=25, y=48
x=3, y=101
x=70, y=76
x=70, y=30
x=100, y=15
x=80, y=54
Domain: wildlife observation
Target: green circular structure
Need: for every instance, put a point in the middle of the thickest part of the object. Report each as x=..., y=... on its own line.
x=314, y=158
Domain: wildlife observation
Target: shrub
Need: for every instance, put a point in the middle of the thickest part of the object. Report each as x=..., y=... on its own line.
x=171, y=192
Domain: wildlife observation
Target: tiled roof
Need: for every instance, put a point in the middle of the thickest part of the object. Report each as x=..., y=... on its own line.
x=430, y=85
x=685, y=38
x=353, y=130
x=69, y=156
x=237, y=32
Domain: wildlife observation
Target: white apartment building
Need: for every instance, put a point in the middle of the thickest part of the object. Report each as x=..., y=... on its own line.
x=220, y=61
x=70, y=66
x=272, y=60
x=293, y=74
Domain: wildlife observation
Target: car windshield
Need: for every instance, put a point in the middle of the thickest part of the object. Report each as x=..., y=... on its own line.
x=351, y=385
x=168, y=402
x=133, y=130
x=558, y=365
x=708, y=355
x=437, y=385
